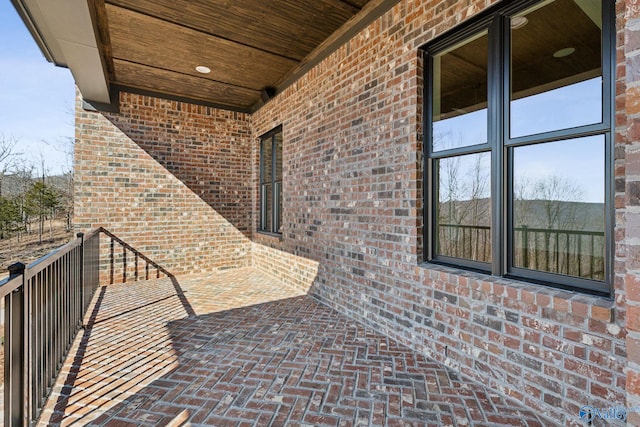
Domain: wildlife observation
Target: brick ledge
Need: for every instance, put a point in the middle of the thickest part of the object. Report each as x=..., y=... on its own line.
x=584, y=305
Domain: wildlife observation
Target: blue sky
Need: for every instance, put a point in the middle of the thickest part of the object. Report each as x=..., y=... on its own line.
x=579, y=161
x=37, y=97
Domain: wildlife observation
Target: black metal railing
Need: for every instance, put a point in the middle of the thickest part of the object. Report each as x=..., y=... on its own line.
x=118, y=261
x=571, y=252
x=44, y=306
x=45, y=303
x=465, y=241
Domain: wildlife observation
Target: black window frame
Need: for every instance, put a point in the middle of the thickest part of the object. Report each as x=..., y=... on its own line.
x=500, y=146
x=270, y=138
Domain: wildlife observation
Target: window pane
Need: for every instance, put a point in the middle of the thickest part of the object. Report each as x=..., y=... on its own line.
x=265, y=160
x=265, y=207
x=556, y=67
x=464, y=207
x=278, y=138
x=558, y=213
x=278, y=197
x=278, y=184
x=460, y=94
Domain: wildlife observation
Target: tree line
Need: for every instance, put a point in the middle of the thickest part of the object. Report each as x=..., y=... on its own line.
x=29, y=198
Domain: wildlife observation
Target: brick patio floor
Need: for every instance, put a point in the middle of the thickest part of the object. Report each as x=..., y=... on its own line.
x=240, y=349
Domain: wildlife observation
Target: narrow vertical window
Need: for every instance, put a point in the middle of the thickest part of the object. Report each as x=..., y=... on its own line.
x=519, y=144
x=271, y=181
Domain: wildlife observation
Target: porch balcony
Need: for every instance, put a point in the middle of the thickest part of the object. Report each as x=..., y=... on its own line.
x=275, y=148
x=235, y=347
x=240, y=348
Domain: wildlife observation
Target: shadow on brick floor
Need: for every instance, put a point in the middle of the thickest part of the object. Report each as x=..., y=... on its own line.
x=253, y=353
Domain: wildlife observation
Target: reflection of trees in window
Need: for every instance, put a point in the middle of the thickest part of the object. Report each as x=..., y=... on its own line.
x=549, y=203
x=518, y=158
x=464, y=210
x=553, y=232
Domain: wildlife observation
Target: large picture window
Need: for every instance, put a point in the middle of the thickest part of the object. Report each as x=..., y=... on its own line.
x=518, y=144
x=271, y=181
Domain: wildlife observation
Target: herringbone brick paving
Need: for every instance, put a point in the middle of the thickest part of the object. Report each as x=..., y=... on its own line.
x=240, y=349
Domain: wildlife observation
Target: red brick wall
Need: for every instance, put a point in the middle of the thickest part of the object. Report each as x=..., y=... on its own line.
x=352, y=214
x=171, y=179
x=629, y=125
x=352, y=203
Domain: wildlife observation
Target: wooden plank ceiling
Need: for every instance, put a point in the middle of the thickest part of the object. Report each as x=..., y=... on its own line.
x=249, y=45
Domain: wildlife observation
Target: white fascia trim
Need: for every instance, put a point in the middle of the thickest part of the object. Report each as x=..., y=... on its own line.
x=65, y=33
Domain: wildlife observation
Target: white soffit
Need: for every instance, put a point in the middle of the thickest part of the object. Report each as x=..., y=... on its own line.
x=66, y=36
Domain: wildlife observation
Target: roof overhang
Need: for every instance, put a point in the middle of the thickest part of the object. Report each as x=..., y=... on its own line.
x=64, y=31
x=254, y=49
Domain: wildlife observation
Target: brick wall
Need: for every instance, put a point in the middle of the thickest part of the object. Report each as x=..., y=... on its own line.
x=295, y=271
x=630, y=130
x=179, y=182
x=171, y=179
x=352, y=203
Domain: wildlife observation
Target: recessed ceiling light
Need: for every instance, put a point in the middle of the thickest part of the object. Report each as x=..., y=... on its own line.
x=564, y=52
x=518, y=22
x=202, y=69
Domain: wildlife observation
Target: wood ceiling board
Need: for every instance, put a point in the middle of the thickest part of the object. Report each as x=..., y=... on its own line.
x=101, y=26
x=556, y=26
x=290, y=28
x=357, y=3
x=146, y=40
x=463, y=76
x=369, y=13
x=175, y=84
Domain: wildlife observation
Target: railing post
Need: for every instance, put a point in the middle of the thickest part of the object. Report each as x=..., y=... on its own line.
x=81, y=273
x=112, y=262
x=124, y=264
x=525, y=245
x=15, y=363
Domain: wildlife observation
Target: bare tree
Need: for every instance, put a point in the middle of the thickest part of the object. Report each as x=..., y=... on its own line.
x=551, y=217
x=8, y=156
x=23, y=175
x=549, y=202
x=68, y=202
x=464, y=208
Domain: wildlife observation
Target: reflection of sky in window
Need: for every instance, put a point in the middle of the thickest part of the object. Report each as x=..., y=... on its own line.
x=580, y=161
x=566, y=107
x=460, y=131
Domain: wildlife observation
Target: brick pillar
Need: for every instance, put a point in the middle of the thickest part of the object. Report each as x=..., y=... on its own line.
x=632, y=203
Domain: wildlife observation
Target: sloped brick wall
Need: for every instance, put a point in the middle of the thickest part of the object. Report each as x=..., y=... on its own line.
x=171, y=179
x=352, y=203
